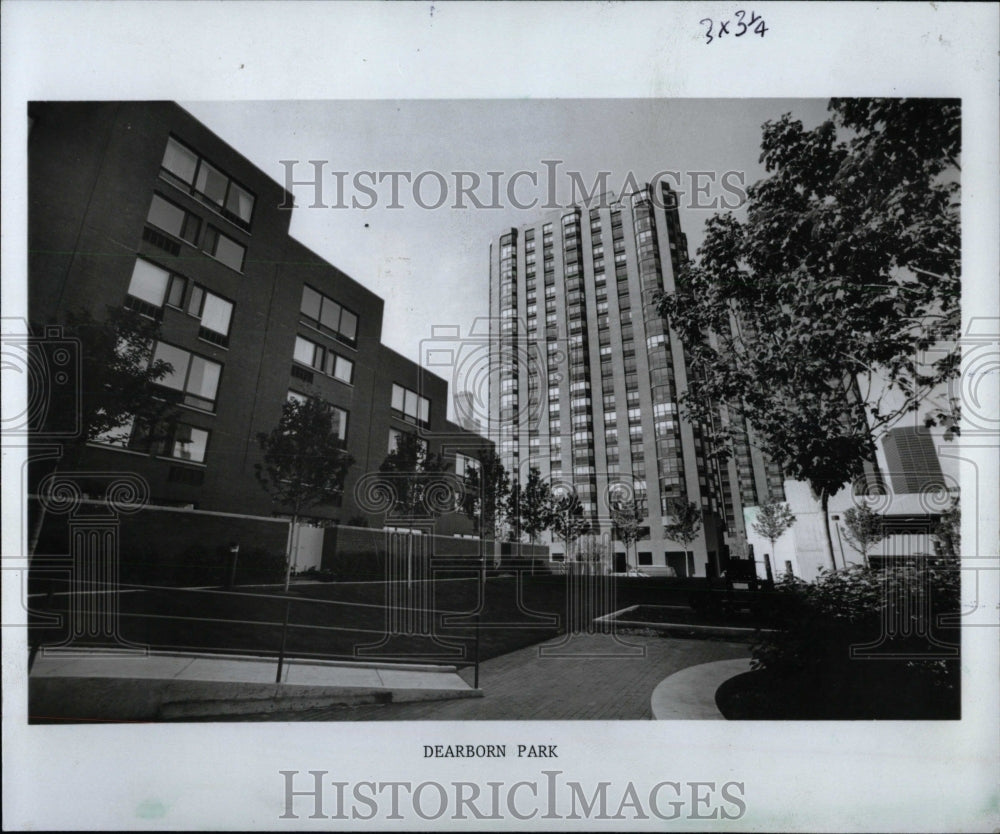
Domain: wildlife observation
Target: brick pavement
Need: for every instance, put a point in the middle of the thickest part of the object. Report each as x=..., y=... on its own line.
x=596, y=678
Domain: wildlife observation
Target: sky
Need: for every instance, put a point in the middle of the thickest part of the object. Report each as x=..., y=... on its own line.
x=431, y=265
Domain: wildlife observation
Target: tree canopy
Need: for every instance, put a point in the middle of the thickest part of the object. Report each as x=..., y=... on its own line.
x=568, y=521
x=686, y=521
x=812, y=316
x=304, y=462
x=627, y=518
x=117, y=378
x=773, y=519
x=535, y=505
x=412, y=469
x=864, y=528
x=488, y=494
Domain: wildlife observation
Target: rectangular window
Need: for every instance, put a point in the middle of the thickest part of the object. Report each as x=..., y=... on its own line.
x=212, y=183
x=340, y=367
x=215, y=313
x=173, y=219
x=180, y=161
x=465, y=465
x=395, y=434
x=410, y=406
x=224, y=248
x=189, y=443
x=194, y=376
x=151, y=287
x=305, y=352
x=149, y=283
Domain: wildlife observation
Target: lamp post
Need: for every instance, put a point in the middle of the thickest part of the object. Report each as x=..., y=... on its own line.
x=234, y=555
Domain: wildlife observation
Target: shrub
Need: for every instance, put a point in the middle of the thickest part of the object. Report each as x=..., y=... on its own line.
x=893, y=610
x=259, y=565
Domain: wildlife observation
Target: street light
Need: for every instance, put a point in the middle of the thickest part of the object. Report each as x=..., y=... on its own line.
x=234, y=554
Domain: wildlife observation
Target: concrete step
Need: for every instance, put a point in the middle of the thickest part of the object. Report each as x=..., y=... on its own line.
x=100, y=686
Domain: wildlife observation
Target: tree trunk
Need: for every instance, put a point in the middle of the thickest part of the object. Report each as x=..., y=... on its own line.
x=36, y=533
x=825, y=505
x=292, y=536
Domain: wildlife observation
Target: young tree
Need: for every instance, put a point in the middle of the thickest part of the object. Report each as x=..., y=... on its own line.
x=811, y=318
x=304, y=462
x=593, y=551
x=773, y=519
x=116, y=388
x=118, y=375
x=627, y=520
x=864, y=530
x=686, y=522
x=535, y=506
x=948, y=535
x=568, y=522
x=487, y=498
x=412, y=469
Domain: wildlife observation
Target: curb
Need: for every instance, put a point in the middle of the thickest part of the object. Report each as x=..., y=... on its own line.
x=680, y=629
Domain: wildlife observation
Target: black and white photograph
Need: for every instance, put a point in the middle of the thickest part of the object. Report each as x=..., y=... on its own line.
x=489, y=434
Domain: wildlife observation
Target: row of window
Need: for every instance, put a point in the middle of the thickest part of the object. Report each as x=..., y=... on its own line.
x=186, y=226
x=188, y=170
x=410, y=406
x=152, y=287
x=328, y=316
x=338, y=416
x=178, y=441
x=181, y=441
x=323, y=359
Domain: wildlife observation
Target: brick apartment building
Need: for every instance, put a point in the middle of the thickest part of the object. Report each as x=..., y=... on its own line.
x=139, y=205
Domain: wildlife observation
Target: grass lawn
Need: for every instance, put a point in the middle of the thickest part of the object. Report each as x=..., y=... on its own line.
x=429, y=621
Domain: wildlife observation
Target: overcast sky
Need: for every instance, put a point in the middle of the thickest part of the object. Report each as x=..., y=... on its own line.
x=431, y=264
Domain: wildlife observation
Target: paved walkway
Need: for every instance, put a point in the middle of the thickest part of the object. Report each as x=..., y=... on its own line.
x=591, y=677
x=690, y=693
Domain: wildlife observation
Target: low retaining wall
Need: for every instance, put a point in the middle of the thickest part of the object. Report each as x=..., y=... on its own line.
x=184, y=547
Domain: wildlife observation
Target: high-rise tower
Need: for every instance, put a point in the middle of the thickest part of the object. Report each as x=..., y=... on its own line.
x=586, y=376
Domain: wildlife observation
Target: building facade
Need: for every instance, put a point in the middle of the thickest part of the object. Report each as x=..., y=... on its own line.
x=586, y=378
x=139, y=205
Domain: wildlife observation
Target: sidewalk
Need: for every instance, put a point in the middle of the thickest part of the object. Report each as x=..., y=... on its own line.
x=592, y=677
x=82, y=685
x=690, y=693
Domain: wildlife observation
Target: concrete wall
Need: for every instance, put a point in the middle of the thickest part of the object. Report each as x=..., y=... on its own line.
x=361, y=552
x=179, y=547
x=805, y=544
